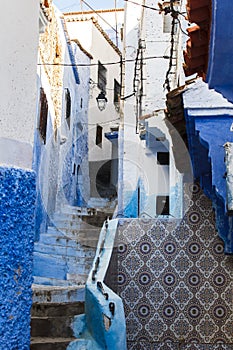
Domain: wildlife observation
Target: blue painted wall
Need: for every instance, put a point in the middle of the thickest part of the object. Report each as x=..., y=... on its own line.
x=17, y=205
x=40, y=214
x=220, y=68
x=206, y=136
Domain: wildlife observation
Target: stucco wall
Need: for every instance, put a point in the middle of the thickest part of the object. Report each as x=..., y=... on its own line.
x=144, y=33
x=18, y=44
x=17, y=204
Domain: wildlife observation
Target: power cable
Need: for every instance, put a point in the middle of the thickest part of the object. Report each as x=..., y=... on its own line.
x=103, y=19
x=166, y=9
x=104, y=64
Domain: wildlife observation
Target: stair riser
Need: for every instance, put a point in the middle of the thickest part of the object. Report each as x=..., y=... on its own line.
x=51, y=327
x=50, y=346
x=77, y=224
x=58, y=266
x=49, y=239
x=63, y=251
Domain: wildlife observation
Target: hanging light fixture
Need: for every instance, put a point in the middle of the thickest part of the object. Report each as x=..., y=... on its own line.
x=101, y=101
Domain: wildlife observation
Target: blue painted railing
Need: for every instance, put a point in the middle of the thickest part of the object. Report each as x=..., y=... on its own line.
x=103, y=325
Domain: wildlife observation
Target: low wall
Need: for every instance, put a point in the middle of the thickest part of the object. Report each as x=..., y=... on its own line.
x=17, y=205
x=175, y=280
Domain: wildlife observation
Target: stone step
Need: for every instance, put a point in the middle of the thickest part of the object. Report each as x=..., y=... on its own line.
x=66, y=215
x=39, y=343
x=72, y=279
x=73, y=233
x=47, y=281
x=73, y=224
x=57, y=266
x=57, y=294
x=57, y=309
x=68, y=209
x=54, y=239
x=51, y=326
x=57, y=249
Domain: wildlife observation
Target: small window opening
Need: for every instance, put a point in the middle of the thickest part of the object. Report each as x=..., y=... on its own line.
x=163, y=158
x=162, y=205
x=43, y=115
x=68, y=106
x=102, y=77
x=117, y=94
x=74, y=169
x=99, y=135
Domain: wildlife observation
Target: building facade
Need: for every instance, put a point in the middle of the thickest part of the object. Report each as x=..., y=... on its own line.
x=61, y=135
x=105, y=81
x=152, y=44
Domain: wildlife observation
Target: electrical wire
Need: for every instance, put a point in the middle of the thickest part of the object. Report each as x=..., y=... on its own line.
x=103, y=123
x=166, y=9
x=147, y=7
x=103, y=19
x=104, y=64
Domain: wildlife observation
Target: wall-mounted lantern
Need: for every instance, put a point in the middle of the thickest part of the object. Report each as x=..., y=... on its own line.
x=101, y=101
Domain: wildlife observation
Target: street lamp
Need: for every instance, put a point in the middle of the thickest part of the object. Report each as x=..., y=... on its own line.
x=101, y=100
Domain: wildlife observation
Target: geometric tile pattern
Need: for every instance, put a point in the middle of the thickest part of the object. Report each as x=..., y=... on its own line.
x=175, y=281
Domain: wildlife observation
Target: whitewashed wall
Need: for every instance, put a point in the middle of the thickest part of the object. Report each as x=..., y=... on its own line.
x=94, y=42
x=140, y=166
x=18, y=45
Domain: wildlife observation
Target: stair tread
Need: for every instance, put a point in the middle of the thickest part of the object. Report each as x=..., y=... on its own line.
x=36, y=340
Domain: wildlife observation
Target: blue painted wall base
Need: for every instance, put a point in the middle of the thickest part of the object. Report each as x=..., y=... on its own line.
x=17, y=206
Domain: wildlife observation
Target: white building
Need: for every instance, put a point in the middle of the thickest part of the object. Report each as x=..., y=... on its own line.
x=150, y=182
x=105, y=81
x=61, y=133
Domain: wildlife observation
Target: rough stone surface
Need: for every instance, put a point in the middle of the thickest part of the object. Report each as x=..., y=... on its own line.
x=17, y=204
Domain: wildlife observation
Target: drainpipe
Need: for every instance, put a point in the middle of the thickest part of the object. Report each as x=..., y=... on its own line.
x=121, y=127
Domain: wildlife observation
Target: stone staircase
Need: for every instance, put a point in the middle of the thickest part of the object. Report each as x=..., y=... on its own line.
x=64, y=254
x=62, y=260
x=51, y=324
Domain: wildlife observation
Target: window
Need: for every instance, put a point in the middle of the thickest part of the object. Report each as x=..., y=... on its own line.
x=163, y=158
x=117, y=94
x=102, y=77
x=74, y=169
x=99, y=135
x=162, y=205
x=68, y=106
x=43, y=115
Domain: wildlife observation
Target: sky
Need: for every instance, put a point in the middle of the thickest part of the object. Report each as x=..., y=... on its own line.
x=75, y=5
